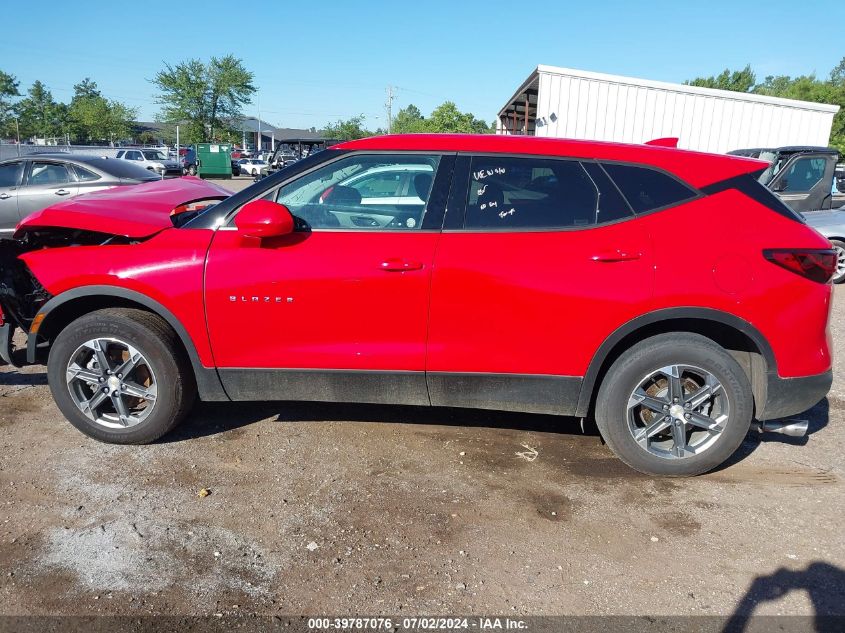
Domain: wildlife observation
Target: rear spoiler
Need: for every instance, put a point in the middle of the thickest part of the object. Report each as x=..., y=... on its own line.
x=666, y=141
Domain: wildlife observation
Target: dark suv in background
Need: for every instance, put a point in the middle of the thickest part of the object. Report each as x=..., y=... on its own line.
x=804, y=177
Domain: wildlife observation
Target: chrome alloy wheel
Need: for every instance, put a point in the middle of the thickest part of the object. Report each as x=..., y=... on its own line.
x=840, y=263
x=678, y=411
x=112, y=383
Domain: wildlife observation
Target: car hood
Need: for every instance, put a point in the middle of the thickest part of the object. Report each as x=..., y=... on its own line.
x=134, y=211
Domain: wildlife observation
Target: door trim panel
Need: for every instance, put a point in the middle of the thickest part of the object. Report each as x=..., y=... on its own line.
x=526, y=393
x=326, y=385
x=523, y=393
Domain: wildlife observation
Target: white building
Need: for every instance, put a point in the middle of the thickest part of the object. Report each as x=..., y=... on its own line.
x=566, y=103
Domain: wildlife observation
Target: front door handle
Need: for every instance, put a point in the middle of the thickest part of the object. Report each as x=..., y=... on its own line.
x=616, y=255
x=62, y=192
x=4, y=196
x=397, y=265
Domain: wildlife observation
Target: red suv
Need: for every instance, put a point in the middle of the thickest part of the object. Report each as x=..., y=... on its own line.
x=665, y=293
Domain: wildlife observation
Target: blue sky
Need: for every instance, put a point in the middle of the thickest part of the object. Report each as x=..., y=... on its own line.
x=317, y=61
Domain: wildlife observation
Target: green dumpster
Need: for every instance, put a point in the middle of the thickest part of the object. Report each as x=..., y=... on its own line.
x=214, y=160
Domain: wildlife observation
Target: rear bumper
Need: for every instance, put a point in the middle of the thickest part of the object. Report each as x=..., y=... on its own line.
x=789, y=396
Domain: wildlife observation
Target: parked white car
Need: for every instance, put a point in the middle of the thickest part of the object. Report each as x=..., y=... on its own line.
x=154, y=160
x=252, y=166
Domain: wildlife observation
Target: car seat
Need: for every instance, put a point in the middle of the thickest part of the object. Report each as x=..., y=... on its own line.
x=422, y=185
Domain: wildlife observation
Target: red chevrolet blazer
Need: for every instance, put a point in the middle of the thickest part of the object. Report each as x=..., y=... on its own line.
x=664, y=293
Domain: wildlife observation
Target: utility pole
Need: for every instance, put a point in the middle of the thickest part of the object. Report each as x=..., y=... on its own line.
x=389, y=106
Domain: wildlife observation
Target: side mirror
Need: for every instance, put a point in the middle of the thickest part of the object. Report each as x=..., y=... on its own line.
x=780, y=186
x=262, y=218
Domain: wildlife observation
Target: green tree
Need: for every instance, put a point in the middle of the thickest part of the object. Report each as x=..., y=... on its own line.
x=447, y=118
x=40, y=116
x=8, y=90
x=737, y=80
x=93, y=118
x=408, y=120
x=205, y=98
x=85, y=89
x=347, y=130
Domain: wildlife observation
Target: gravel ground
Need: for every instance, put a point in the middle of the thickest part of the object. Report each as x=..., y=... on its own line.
x=341, y=509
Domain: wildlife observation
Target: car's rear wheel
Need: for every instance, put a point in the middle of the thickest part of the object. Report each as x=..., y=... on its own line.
x=192, y=170
x=674, y=405
x=839, y=275
x=119, y=376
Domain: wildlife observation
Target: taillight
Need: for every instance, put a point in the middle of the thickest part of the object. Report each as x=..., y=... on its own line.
x=814, y=264
x=2, y=317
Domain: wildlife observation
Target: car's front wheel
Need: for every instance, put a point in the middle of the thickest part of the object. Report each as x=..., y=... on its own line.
x=119, y=375
x=675, y=405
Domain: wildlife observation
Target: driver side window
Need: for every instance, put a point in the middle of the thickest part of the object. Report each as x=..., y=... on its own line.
x=804, y=174
x=371, y=192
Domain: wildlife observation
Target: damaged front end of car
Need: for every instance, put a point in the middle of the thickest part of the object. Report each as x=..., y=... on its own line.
x=21, y=294
x=117, y=217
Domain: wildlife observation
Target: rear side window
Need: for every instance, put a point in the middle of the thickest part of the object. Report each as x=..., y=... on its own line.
x=612, y=206
x=647, y=189
x=84, y=175
x=530, y=193
x=49, y=174
x=10, y=174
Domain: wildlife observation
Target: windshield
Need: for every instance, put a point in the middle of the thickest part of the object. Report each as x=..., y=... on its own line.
x=776, y=162
x=150, y=154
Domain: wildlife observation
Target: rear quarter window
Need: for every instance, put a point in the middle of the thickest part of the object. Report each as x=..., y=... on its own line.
x=647, y=189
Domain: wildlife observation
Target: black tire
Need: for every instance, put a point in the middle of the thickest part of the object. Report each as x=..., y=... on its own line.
x=158, y=343
x=839, y=245
x=192, y=170
x=647, y=356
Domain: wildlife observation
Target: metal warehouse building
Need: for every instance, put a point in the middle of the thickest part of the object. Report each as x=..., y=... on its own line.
x=566, y=103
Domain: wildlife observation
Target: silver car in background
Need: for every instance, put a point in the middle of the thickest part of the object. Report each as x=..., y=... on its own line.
x=31, y=183
x=831, y=224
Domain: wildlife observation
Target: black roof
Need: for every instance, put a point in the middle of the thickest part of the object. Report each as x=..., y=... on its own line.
x=791, y=149
x=787, y=149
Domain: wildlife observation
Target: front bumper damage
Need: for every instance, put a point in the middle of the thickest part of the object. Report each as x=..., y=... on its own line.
x=21, y=296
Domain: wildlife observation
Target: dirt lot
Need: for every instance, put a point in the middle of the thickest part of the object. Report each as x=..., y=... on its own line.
x=320, y=509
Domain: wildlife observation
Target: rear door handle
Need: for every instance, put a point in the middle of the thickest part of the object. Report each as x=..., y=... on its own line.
x=616, y=255
x=62, y=192
x=4, y=196
x=397, y=265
